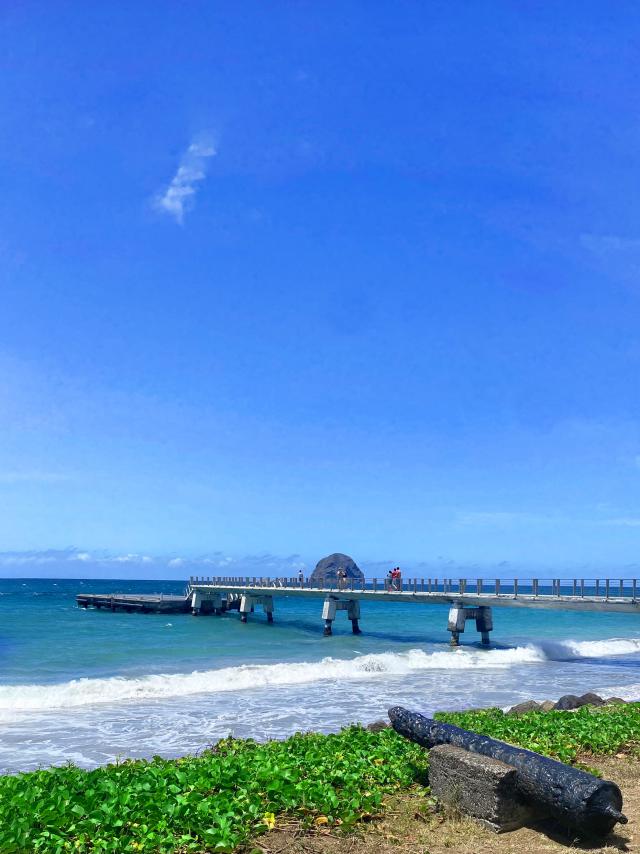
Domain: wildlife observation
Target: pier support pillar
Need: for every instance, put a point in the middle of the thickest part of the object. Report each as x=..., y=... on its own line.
x=248, y=603
x=455, y=624
x=196, y=603
x=459, y=614
x=484, y=623
x=329, y=614
x=332, y=604
x=353, y=613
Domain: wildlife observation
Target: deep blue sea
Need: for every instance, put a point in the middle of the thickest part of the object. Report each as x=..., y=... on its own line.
x=90, y=686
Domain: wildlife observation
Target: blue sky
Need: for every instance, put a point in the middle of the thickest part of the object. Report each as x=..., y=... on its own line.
x=321, y=276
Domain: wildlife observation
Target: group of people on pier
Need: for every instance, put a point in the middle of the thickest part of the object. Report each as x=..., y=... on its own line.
x=394, y=579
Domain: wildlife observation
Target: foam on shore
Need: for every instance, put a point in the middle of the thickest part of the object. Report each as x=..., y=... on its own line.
x=114, y=690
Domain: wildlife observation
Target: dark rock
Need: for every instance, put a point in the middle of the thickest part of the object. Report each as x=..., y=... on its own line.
x=591, y=699
x=479, y=786
x=378, y=726
x=327, y=569
x=614, y=701
x=523, y=708
x=568, y=702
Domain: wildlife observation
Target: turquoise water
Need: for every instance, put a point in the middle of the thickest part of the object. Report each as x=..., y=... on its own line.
x=89, y=686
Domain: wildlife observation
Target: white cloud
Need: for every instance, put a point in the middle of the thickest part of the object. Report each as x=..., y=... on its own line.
x=178, y=197
x=499, y=517
x=12, y=477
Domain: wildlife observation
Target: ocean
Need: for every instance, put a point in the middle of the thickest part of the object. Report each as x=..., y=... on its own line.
x=92, y=686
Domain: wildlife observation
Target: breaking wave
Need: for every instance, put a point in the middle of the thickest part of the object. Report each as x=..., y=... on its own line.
x=117, y=689
x=571, y=649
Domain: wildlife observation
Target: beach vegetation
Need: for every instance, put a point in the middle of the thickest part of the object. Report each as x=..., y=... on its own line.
x=239, y=789
x=211, y=802
x=597, y=730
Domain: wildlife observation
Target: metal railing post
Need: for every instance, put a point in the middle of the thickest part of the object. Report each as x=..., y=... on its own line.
x=515, y=588
x=606, y=589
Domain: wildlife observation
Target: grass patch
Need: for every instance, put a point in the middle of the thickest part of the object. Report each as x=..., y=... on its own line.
x=563, y=735
x=211, y=802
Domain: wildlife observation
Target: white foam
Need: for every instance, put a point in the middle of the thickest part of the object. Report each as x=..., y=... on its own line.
x=570, y=649
x=19, y=699
x=631, y=693
x=86, y=692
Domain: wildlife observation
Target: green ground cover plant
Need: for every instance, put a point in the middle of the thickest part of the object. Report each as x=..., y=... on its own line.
x=226, y=796
x=211, y=802
x=563, y=735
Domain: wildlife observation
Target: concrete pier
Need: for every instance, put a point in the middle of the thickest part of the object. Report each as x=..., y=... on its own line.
x=222, y=595
x=332, y=604
x=458, y=616
x=250, y=600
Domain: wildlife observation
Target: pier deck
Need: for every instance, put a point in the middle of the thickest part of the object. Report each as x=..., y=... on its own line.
x=144, y=602
x=413, y=593
x=219, y=595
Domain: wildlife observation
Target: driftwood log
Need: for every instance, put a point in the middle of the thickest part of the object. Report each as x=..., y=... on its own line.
x=576, y=799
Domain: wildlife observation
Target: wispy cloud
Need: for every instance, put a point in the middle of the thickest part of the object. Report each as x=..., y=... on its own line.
x=178, y=197
x=73, y=562
x=624, y=521
x=499, y=518
x=617, y=256
x=42, y=477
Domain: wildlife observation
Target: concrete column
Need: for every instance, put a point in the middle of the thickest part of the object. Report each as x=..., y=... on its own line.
x=353, y=613
x=484, y=623
x=246, y=606
x=455, y=624
x=328, y=615
x=267, y=607
x=196, y=603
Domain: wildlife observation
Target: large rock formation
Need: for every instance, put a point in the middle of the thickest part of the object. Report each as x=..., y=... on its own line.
x=327, y=569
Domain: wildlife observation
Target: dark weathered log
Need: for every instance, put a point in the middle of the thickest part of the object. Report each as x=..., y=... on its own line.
x=576, y=799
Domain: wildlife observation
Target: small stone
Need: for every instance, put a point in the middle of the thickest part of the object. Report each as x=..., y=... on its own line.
x=568, y=702
x=547, y=705
x=591, y=699
x=377, y=726
x=614, y=701
x=523, y=708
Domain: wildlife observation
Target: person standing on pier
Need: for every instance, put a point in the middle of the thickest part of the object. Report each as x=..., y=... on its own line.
x=396, y=578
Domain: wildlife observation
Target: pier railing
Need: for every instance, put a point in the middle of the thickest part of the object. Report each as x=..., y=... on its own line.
x=575, y=588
